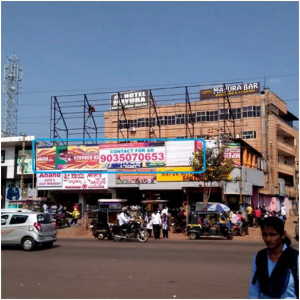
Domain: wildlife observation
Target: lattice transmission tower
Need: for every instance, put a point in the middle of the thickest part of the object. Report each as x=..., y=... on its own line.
x=12, y=79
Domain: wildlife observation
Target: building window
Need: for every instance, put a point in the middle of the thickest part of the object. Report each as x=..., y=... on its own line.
x=201, y=116
x=143, y=122
x=249, y=134
x=132, y=123
x=180, y=119
x=224, y=114
x=213, y=115
x=251, y=111
x=236, y=113
x=152, y=122
x=162, y=120
x=171, y=120
x=122, y=124
x=191, y=118
x=2, y=156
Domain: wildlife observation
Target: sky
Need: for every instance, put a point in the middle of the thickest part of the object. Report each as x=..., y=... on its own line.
x=88, y=47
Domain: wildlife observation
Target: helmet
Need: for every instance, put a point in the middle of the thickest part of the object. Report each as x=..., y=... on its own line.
x=124, y=208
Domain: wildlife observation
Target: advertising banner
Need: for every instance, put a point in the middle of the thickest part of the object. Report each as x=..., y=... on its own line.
x=49, y=180
x=27, y=164
x=84, y=181
x=136, y=178
x=45, y=159
x=179, y=153
x=234, y=151
x=132, y=155
x=83, y=157
x=130, y=99
x=232, y=90
x=163, y=177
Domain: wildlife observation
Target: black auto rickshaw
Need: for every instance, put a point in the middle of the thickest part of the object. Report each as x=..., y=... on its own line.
x=105, y=217
x=212, y=224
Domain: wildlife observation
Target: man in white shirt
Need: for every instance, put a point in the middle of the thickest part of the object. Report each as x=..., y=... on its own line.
x=156, y=223
x=283, y=212
x=234, y=218
x=123, y=219
x=164, y=210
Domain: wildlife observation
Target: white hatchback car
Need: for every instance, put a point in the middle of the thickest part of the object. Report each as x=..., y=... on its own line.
x=28, y=229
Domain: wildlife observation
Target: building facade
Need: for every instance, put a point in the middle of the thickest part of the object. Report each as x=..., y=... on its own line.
x=256, y=116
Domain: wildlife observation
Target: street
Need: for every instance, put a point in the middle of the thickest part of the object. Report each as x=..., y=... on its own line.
x=159, y=269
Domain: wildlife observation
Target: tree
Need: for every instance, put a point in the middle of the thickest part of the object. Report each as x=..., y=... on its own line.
x=217, y=168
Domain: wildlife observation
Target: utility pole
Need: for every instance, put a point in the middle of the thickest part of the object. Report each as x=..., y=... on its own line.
x=22, y=165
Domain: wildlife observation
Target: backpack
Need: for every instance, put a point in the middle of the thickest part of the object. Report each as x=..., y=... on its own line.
x=275, y=285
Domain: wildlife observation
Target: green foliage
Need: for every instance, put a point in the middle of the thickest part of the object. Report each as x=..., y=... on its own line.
x=217, y=168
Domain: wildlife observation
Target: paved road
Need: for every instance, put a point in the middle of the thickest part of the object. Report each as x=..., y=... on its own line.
x=88, y=268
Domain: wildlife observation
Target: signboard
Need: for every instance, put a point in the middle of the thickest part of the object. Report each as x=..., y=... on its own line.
x=45, y=158
x=232, y=90
x=130, y=99
x=132, y=155
x=27, y=164
x=49, y=180
x=233, y=151
x=163, y=177
x=72, y=181
x=83, y=181
x=136, y=178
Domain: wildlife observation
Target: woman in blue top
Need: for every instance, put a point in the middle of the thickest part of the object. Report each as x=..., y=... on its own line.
x=275, y=273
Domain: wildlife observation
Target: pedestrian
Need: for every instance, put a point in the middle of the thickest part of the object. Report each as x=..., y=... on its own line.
x=156, y=223
x=234, y=218
x=283, y=212
x=249, y=211
x=60, y=209
x=165, y=210
x=275, y=273
x=148, y=222
x=165, y=225
x=75, y=215
x=257, y=214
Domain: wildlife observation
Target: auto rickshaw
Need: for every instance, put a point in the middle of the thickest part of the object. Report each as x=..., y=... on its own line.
x=210, y=224
x=105, y=217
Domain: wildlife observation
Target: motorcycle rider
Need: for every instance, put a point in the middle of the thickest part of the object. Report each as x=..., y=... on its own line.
x=124, y=219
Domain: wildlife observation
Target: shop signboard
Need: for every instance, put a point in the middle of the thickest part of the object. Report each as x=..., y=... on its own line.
x=49, y=180
x=231, y=90
x=84, y=181
x=136, y=178
x=130, y=100
x=182, y=174
x=142, y=155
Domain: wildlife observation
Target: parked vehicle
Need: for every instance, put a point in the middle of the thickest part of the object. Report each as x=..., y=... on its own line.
x=28, y=229
x=211, y=224
x=105, y=217
x=134, y=230
x=61, y=220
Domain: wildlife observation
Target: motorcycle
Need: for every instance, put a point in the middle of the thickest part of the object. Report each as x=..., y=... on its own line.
x=240, y=229
x=133, y=230
x=101, y=231
x=61, y=220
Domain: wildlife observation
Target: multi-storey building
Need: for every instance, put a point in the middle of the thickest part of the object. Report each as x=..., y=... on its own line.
x=259, y=117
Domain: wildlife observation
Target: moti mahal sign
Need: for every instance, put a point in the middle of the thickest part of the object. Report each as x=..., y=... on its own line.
x=232, y=90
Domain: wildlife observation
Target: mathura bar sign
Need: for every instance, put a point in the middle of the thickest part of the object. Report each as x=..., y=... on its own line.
x=130, y=99
x=230, y=90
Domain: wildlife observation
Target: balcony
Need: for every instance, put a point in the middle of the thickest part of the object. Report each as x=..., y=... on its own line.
x=286, y=169
x=290, y=191
x=291, y=150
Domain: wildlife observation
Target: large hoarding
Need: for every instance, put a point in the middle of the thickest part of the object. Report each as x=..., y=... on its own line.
x=232, y=90
x=130, y=99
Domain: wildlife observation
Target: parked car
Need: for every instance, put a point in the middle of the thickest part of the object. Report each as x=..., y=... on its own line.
x=28, y=229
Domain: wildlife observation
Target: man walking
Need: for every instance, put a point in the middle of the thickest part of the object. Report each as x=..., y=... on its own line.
x=156, y=222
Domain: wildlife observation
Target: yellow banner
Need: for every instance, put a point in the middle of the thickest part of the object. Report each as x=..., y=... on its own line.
x=178, y=176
